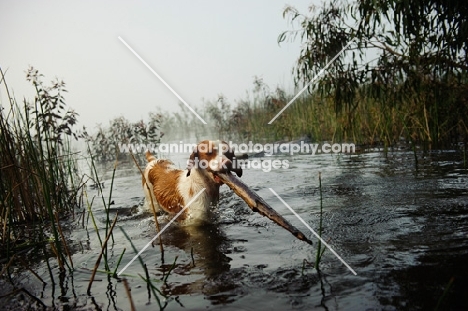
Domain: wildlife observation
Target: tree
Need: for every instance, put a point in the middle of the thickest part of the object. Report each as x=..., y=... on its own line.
x=406, y=55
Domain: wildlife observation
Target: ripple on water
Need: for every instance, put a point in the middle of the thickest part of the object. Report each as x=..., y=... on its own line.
x=402, y=229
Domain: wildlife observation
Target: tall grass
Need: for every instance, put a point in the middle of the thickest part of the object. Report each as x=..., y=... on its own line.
x=320, y=250
x=369, y=121
x=38, y=183
x=104, y=257
x=313, y=116
x=40, y=188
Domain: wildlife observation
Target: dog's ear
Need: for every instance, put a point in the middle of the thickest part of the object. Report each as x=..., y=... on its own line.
x=236, y=167
x=191, y=161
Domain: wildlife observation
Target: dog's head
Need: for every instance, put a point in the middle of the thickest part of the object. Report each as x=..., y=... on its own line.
x=216, y=157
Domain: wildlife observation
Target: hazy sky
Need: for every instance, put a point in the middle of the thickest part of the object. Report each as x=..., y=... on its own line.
x=201, y=49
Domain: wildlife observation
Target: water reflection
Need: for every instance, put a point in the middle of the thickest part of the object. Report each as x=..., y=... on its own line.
x=402, y=229
x=207, y=246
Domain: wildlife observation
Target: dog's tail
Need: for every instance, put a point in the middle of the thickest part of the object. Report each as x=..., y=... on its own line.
x=149, y=156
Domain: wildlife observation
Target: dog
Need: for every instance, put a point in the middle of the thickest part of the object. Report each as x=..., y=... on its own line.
x=171, y=189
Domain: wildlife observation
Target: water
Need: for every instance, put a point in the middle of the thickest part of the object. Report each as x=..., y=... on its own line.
x=403, y=230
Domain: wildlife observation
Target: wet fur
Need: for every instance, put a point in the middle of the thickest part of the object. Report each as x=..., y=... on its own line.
x=172, y=188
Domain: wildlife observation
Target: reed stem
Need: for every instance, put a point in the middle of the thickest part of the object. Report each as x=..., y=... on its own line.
x=98, y=261
x=319, y=243
x=152, y=204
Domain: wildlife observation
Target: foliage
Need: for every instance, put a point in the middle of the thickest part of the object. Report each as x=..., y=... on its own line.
x=50, y=118
x=404, y=53
x=105, y=144
x=220, y=115
x=38, y=180
x=39, y=191
x=246, y=118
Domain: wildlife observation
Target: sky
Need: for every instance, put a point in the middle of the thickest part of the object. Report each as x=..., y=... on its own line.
x=200, y=48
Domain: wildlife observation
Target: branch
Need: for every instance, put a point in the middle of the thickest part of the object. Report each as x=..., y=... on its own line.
x=386, y=48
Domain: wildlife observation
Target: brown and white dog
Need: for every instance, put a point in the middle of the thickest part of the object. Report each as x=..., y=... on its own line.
x=172, y=188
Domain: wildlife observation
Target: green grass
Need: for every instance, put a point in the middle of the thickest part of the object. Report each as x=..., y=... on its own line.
x=368, y=122
x=38, y=183
x=41, y=191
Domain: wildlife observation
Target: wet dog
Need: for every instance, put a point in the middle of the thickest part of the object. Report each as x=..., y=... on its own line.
x=171, y=189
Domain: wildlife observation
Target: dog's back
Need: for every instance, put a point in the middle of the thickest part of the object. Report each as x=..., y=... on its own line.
x=171, y=189
x=162, y=179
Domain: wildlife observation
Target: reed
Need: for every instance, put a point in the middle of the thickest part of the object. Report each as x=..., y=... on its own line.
x=369, y=121
x=38, y=183
x=153, y=209
x=103, y=251
x=445, y=293
x=114, y=274
x=40, y=189
x=109, y=231
x=129, y=294
x=320, y=250
x=156, y=292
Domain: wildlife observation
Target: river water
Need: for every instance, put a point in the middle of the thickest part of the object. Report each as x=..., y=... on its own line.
x=402, y=227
